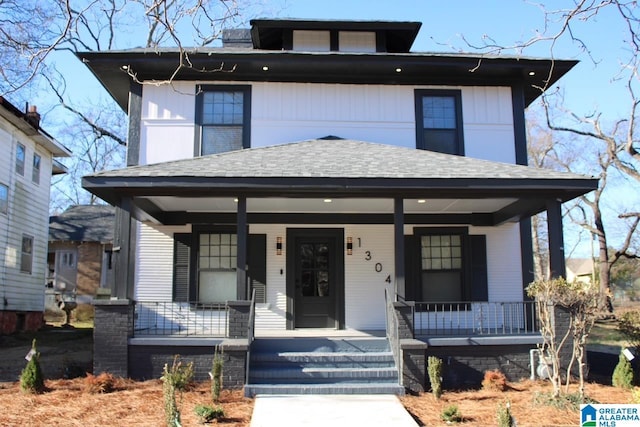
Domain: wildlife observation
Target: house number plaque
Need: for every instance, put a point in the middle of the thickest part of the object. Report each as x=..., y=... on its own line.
x=378, y=265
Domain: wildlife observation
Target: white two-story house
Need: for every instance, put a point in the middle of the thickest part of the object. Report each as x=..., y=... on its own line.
x=314, y=167
x=26, y=166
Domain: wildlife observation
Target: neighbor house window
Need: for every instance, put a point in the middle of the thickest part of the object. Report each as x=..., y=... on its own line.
x=35, y=173
x=26, y=257
x=20, y=155
x=442, y=267
x=217, y=267
x=439, y=121
x=4, y=199
x=223, y=120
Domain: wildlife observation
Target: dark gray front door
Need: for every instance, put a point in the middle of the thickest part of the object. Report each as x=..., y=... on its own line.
x=316, y=279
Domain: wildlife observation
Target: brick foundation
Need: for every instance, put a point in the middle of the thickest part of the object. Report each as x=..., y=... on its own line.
x=113, y=326
x=20, y=321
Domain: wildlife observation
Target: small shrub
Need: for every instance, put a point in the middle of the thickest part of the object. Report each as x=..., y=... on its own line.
x=208, y=413
x=176, y=378
x=623, y=373
x=564, y=401
x=635, y=395
x=503, y=415
x=435, y=375
x=31, y=378
x=494, y=381
x=102, y=383
x=451, y=414
x=216, y=375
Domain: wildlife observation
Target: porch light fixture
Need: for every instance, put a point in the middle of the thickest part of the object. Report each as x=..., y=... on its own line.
x=328, y=200
x=278, y=245
x=265, y=68
x=349, y=246
x=398, y=70
x=532, y=73
x=421, y=201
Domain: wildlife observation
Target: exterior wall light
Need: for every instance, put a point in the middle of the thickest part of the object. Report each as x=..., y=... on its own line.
x=349, y=246
x=278, y=245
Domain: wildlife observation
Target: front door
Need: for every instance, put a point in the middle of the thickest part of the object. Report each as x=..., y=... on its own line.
x=317, y=277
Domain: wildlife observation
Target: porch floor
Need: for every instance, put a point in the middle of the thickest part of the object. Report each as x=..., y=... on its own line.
x=320, y=332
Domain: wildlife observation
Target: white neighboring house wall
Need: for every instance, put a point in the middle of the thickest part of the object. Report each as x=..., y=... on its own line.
x=27, y=215
x=289, y=112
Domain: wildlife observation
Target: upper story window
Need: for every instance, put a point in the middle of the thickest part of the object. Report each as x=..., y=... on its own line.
x=439, y=121
x=357, y=41
x=223, y=119
x=311, y=41
x=35, y=172
x=4, y=199
x=20, y=155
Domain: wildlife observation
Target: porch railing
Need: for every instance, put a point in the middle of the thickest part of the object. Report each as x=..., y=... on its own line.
x=392, y=330
x=180, y=319
x=464, y=318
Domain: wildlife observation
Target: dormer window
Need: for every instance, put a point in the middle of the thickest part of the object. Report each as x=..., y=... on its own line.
x=312, y=41
x=357, y=41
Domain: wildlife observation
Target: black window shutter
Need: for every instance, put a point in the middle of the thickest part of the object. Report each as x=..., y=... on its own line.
x=257, y=266
x=411, y=266
x=479, y=277
x=181, y=256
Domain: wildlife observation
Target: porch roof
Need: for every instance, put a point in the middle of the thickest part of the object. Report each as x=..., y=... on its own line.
x=339, y=168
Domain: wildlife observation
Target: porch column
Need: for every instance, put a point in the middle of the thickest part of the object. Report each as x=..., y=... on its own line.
x=398, y=234
x=241, y=264
x=124, y=234
x=556, y=239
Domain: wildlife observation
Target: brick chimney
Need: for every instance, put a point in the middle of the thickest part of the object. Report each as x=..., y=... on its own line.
x=33, y=117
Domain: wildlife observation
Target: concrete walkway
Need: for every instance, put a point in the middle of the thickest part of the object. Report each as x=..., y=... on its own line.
x=330, y=410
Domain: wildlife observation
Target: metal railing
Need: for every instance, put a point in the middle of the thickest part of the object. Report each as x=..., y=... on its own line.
x=180, y=319
x=392, y=331
x=251, y=329
x=466, y=318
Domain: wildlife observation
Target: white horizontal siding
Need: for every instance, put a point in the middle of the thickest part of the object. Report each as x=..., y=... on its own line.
x=27, y=215
x=154, y=264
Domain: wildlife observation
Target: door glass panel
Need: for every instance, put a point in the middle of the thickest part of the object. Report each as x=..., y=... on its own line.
x=314, y=270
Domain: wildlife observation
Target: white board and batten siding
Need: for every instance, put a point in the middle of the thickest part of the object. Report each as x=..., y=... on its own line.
x=28, y=214
x=289, y=112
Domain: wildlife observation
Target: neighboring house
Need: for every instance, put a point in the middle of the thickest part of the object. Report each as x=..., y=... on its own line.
x=26, y=167
x=80, y=242
x=326, y=167
x=580, y=269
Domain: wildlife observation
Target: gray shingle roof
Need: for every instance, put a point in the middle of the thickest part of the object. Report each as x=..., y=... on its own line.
x=337, y=158
x=83, y=223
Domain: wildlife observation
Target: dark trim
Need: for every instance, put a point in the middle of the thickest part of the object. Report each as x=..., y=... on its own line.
x=519, y=123
x=526, y=251
x=517, y=210
x=246, y=112
x=123, y=245
x=329, y=67
x=419, y=94
x=381, y=41
x=182, y=218
x=134, y=113
x=398, y=234
x=241, y=253
x=292, y=235
x=334, y=41
x=556, y=239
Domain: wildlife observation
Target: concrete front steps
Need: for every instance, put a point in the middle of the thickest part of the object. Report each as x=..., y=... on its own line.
x=338, y=365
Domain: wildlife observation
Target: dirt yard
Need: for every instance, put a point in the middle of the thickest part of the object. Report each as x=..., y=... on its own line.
x=67, y=353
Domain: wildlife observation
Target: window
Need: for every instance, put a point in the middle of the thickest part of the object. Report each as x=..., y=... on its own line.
x=35, y=173
x=4, y=199
x=26, y=257
x=222, y=119
x=439, y=121
x=442, y=267
x=20, y=154
x=217, y=267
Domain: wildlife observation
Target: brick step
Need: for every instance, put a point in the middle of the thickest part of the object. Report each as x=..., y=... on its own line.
x=317, y=359
x=322, y=375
